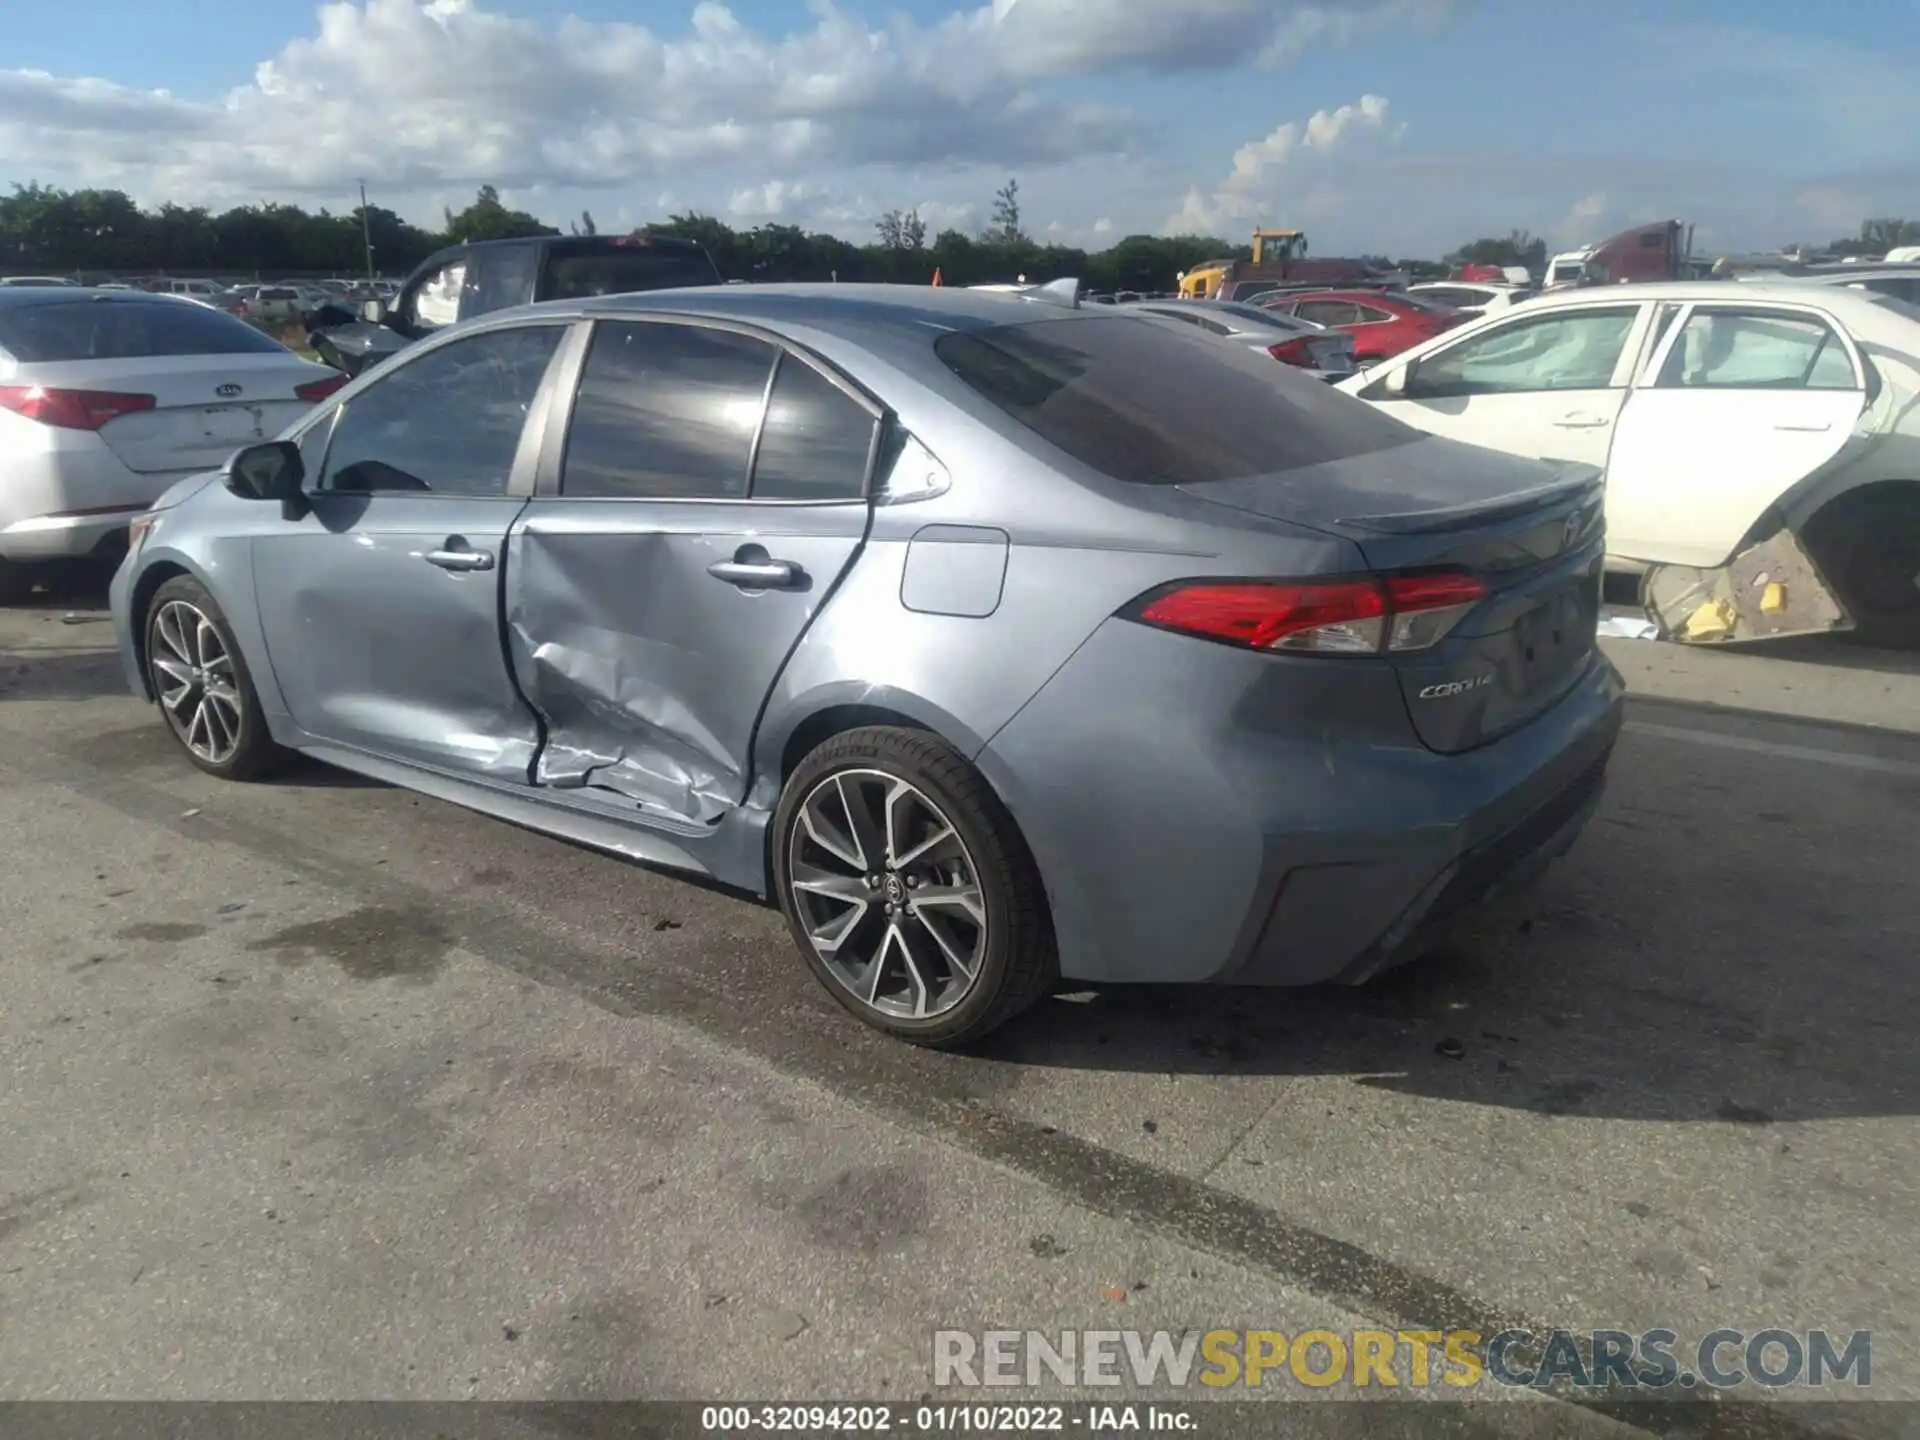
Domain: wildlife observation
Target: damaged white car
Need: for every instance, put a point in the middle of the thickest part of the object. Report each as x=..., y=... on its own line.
x=1761, y=442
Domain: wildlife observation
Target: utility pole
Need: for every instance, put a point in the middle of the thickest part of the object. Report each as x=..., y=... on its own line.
x=366, y=229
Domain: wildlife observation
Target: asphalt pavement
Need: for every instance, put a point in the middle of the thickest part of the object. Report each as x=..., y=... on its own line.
x=319, y=1089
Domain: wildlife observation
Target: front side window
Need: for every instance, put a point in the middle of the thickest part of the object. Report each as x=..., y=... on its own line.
x=1119, y=396
x=435, y=301
x=1573, y=350
x=1756, y=350
x=666, y=411
x=447, y=423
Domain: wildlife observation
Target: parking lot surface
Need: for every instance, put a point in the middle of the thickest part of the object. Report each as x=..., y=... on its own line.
x=317, y=1088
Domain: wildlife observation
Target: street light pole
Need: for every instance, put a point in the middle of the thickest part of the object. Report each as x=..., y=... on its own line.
x=366, y=229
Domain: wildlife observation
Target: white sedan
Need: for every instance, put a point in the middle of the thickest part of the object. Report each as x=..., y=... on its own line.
x=1761, y=442
x=1473, y=297
x=107, y=397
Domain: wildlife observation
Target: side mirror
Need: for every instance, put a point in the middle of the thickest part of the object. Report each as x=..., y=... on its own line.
x=374, y=312
x=269, y=471
x=1395, y=382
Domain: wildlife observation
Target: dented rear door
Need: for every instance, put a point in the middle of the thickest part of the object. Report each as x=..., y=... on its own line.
x=706, y=496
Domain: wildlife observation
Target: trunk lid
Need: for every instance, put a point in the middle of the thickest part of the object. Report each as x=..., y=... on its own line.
x=1530, y=531
x=205, y=406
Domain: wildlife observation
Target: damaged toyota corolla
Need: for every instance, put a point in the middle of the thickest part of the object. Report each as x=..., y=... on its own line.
x=935, y=617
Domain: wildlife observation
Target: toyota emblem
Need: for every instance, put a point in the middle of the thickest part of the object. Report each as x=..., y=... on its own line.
x=229, y=390
x=1576, y=522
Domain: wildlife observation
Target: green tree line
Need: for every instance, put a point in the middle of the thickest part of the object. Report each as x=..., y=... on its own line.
x=89, y=233
x=93, y=232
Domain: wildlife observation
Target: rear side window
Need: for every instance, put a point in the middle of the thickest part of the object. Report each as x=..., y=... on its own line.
x=1328, y=312
x=577, y=274
x=1120, y=396
x=666, y=411
x=1733, y=350
x=125, y=330
x=503, y=276
x=816, y=441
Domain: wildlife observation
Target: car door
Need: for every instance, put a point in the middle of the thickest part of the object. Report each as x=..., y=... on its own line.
x=708, y=491
x=1737, y=405
x=1549, y=384
x=381, y=604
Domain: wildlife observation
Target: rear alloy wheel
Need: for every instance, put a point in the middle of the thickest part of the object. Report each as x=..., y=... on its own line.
x=202, y=684
x=908, y=889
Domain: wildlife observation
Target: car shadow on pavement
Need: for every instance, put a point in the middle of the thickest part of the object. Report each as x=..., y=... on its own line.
x=59, y=674
x=1540, y=1018
x=1837, y=651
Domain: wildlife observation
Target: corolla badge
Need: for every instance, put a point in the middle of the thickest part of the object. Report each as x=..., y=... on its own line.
x=227, y=391
x=1455, y=687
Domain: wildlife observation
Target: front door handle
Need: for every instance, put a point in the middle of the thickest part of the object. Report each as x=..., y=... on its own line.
x=1579, y=421
x=458, y=555
x=1806, y=429
x=755, y=574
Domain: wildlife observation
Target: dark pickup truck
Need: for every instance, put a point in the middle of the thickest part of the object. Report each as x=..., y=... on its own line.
x=467, y=280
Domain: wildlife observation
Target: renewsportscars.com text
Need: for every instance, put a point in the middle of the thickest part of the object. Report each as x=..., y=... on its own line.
x=1414, y=1359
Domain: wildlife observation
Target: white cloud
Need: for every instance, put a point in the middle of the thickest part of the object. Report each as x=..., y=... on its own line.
x=1269, y=175
x=1103, y=226
x=418, y=95
x=1583, y=224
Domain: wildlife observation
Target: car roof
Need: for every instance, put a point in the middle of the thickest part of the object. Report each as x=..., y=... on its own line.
x=1793, y=292
x=841, y=309
x=11, y=295
x=1341, y=293
x=611, y=242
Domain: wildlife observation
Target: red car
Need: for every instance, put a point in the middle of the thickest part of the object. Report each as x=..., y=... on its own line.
x=1382, y=322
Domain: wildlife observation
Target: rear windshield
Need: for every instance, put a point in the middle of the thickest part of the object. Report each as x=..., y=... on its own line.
x=621, y=272
x=124, y=330
x=1158, y=405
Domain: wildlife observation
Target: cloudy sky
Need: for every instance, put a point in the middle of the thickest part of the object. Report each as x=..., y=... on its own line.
x=1404, y=126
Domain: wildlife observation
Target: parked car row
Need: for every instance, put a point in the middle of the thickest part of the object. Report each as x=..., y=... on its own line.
x=109, y=396
x=1761, y=442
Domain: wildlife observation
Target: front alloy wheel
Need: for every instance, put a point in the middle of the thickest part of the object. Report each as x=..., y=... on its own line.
x=193, y=676
x=200, y=679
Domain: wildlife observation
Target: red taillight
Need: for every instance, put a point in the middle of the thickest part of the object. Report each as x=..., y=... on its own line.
x=1341, y=617
x=319, y=389
x=1294, y=352
x=70, y=409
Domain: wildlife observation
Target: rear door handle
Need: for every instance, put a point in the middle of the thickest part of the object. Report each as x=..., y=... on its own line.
x=755, y=574
x=1578, y=421
x=458, y=555
x=1806, y=429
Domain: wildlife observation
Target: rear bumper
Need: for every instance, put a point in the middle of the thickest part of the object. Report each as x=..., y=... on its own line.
x=66, y=537
x=64, y=494
x=1205, y=815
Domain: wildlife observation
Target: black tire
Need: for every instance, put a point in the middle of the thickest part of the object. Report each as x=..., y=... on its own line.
x=17, y=581
x=1019, y=963
x=253, y=754
x=1868, y=549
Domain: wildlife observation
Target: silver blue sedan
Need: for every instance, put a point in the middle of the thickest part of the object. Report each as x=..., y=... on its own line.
x=1000, y=642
